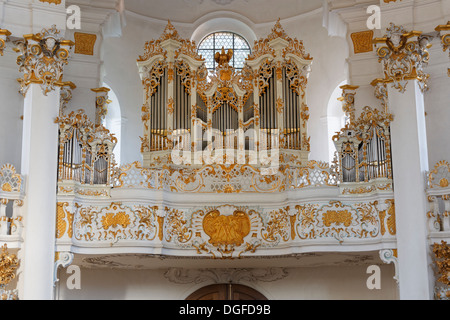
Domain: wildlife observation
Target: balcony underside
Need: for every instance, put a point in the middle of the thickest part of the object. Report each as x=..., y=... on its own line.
x=148, y=262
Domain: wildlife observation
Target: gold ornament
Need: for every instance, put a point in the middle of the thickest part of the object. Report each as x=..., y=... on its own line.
x=8, y=266
x=402, y=59
x=42, y=59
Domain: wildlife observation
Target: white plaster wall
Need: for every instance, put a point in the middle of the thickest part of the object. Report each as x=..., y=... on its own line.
x=319, y=283
x=121, y=74
x=329, y=69
x=11, y=110
x=437, y=103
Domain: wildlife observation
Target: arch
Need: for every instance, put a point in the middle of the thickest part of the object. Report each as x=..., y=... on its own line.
x=336, y=118
x=224, y=24
x=231, y=292
x=213, y=42
x=113, y=121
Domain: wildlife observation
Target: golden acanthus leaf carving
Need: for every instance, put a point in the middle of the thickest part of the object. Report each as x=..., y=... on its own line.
x=8, y=266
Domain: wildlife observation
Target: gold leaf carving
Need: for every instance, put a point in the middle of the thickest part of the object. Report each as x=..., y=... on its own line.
x=362, y=41
x=56, y=2
x=337, y=217
x=113, y=220
x=226, y=230
x=85, y=43
x=8, y=265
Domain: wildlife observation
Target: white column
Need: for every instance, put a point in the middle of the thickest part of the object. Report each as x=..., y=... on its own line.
x=410, y=162
x=39, y=166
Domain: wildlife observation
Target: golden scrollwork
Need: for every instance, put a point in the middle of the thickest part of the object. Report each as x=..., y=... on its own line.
x=101, y=104
x=64, y=220
x=116, y=222
x=42, y=59
x=280, y=226
x=176, y=226
x=390, y=220
x=8, y=266
x=206, y=179
x=337, y=220
x=348, y=99
x=402, y=59
x=442, y=255
x=4, y=34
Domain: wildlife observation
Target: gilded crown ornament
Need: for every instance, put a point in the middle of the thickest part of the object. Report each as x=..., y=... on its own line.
x=223, y=58
x=42, y=59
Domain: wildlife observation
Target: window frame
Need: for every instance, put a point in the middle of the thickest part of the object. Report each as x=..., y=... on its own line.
x=215, y=49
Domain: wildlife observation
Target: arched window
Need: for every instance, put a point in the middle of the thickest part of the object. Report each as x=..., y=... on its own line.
x=113, y=121
x=336, y=118
x=228, y=40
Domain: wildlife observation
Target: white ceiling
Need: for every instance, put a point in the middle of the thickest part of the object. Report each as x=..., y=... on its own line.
x=189, y=11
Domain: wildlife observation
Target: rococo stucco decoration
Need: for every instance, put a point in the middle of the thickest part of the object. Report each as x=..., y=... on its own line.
x=444, y=31
x=403, y=55
x=4, y=34
x=442, y=260
x=236, y=276
x=224, y=232
x=8, y=266
x=42, y=59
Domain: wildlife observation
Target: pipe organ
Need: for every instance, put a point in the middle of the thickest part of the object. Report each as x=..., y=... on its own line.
x=364, y=147
x=86, y=149
x=261, y=107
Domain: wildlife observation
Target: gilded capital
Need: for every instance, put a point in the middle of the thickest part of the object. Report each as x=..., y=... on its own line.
x=381, y=93
x=3, y=38
x=348, y=100
x=444, y=32
x=42, y=59
x=101, y=104
x=403, y=55
x=66, y=95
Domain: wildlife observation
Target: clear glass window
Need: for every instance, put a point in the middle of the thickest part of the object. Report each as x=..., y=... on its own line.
x=228, y=40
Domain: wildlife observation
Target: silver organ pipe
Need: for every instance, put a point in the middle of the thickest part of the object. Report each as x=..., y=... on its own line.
x=234, y=90
x=88, y=171
x=364, y=154
x=291, y=115
x=158, y=113
x=348, y=166
x=362, y=168
x=72, y=157
x=80, y=161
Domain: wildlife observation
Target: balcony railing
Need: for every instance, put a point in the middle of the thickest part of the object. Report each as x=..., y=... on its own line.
x=11, y=202
x=438, y=193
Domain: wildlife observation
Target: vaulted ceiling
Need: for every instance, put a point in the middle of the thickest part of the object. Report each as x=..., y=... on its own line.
x=189, y=11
